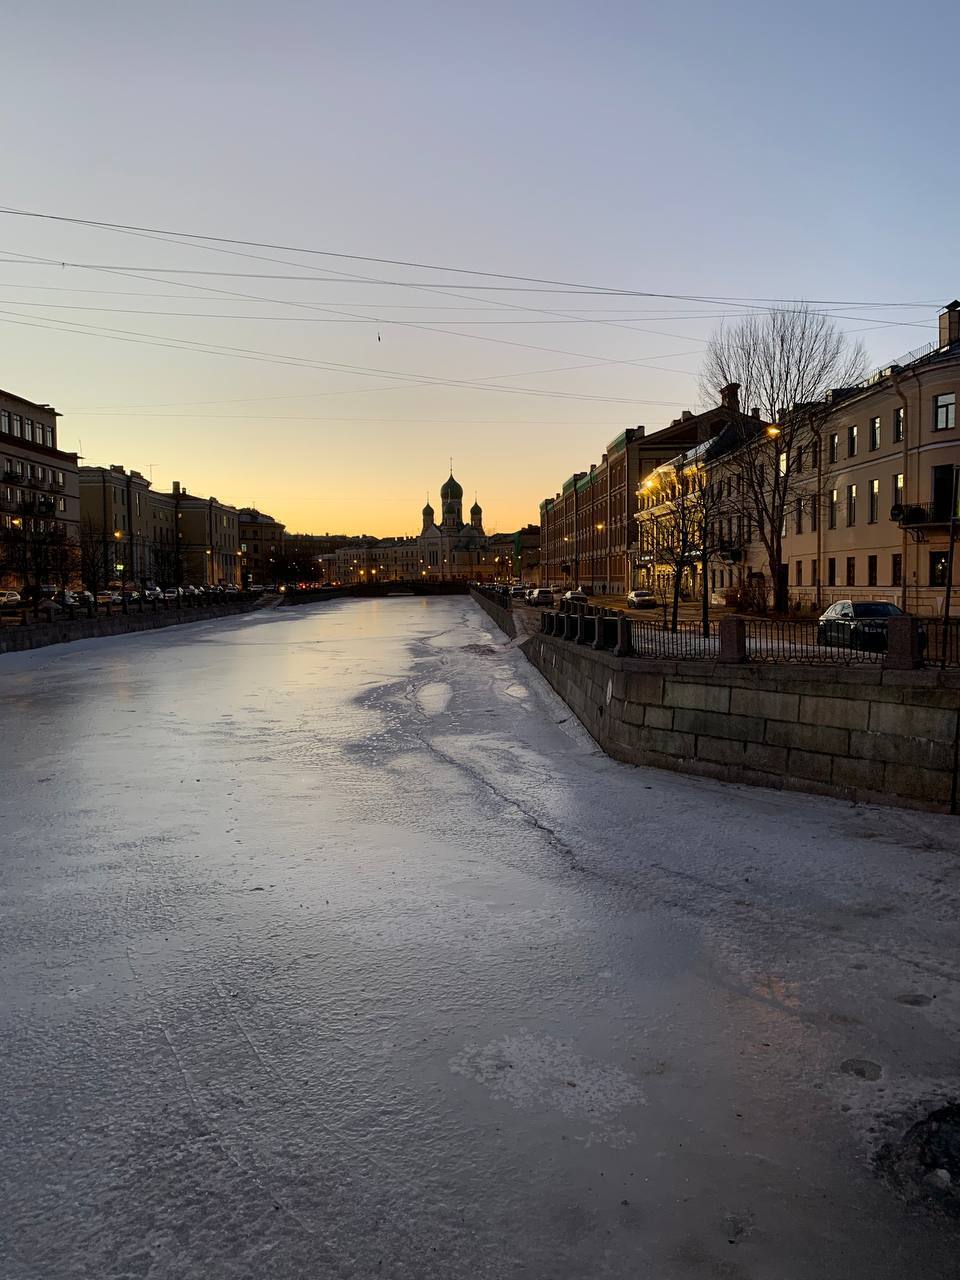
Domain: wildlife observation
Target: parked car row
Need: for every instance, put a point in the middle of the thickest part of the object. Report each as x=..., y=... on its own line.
x=49, y=600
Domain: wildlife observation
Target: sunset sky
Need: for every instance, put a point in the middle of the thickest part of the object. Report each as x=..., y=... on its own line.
x=694, y=150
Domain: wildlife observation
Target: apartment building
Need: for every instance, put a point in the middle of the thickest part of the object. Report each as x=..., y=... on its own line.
x=209, y=539
x=128, y=533
x=261, y=546
x=877, y=524
x=39, y=496
x=734, y=554
x=588, y=530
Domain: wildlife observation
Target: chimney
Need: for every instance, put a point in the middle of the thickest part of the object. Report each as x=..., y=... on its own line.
x=686, y=415
x=950, y=324
x=755, y=411
x=176, y=486
x=730, y=396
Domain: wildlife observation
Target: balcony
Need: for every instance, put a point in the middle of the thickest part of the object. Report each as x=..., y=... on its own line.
x=920, y=515
x=732, y=552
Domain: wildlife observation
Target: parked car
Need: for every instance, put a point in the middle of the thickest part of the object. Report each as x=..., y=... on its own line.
x=108, y=597
x=65, y=599
x=152, y=593
x=85, y=597
x=577, y=594
x=519, y=593
x=9, y=599
x=641, y=599
x=541, y=596
x=172, y=593
x=860, y=624
x=231, y=589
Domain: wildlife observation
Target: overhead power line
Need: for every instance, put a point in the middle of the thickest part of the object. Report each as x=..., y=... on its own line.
x=427, y=266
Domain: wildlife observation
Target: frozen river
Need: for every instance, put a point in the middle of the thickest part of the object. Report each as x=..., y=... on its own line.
x=331, y=947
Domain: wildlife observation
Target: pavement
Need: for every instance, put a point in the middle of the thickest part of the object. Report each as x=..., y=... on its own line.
x=331, y=946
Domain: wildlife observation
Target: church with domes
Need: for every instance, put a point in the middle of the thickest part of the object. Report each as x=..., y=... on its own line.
x=454, y=549
x=449, y=550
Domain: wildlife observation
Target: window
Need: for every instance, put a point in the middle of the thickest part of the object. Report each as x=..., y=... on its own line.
x=897, y=425
x=798, y=519
x=60, y=478
x=898, y=489
x=874, y=501
x=5, y=422
x=17, y=425
x=831, y=572
x=834, y=447
x=832, y=509
x=874, y=433
x=851, y=571
x=938, y=568
x=782, y=462
x=851, y=442
x=896, y=569
x=944, y=412
x=28, y=428
x=798, y=460
x=851, y=505
x=61, y=504
x=799, y=574
x=48, y=432
x=871, y=571
x=813, y=573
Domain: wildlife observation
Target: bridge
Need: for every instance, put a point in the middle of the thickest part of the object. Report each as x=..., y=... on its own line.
x=417, y=587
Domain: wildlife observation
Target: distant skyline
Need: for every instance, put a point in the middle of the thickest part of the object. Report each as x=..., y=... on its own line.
x=721, y=156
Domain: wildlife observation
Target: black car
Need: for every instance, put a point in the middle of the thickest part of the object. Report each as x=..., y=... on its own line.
x=860, y=624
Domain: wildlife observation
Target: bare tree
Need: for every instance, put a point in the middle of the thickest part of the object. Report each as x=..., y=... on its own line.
x=95, y=559
x=783, y=363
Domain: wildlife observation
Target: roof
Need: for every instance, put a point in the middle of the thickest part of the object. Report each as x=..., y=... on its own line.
x=451, y=489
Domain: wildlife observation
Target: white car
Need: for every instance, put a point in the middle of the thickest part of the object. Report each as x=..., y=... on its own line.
x=9, y=599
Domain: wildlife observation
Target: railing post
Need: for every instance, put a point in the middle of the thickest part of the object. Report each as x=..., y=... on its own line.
x=904, y=651
x=733, y=640
x=624, y=645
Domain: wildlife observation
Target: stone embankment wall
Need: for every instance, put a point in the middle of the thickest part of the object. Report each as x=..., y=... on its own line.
x=39, y=635
x=859, y=732
x=501, y=616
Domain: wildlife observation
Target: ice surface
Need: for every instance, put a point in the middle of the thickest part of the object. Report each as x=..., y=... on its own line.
x=331, y=946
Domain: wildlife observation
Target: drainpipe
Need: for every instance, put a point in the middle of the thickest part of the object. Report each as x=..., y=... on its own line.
x=895, y=379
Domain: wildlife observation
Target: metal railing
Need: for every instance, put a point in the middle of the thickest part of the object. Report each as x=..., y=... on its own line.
x=942, y=648
x=809, y=643
x=654, y=640
x=918, y=513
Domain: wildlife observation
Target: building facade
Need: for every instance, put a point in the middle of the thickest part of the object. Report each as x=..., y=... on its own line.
x=209, y=539
x=691, y=518
x=890, y=460
x=261, y=547
x=588, y=531
x=39, y=498
x=133, y=535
